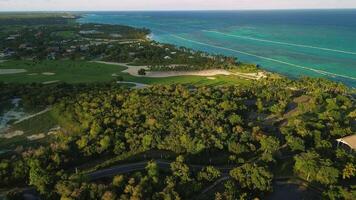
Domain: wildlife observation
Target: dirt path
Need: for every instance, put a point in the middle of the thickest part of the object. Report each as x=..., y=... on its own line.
x=126, y=168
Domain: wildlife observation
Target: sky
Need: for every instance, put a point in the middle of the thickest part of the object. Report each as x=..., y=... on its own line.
x=113, y=5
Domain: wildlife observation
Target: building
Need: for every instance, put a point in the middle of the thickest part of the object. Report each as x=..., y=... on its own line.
x=167, y=58
x=349, y=141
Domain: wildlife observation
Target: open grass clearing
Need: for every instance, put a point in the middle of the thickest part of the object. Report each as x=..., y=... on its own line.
x=36, y=125
x=88, y=72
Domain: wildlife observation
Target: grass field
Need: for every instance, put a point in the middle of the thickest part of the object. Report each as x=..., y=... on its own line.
x=39, y=124
x=88, y=72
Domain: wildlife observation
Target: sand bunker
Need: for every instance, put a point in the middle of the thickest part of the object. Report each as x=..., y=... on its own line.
x=12, y=71
x=133, y=70
x=211, y=78
x=12, y=134
x=50, y=82
x=210, y=72
x=33, y=74
x=54, y=131
x=36, y=137
x=48, y=73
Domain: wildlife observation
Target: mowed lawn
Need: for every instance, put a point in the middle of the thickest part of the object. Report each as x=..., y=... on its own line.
x=88, y=72
x=64, y=71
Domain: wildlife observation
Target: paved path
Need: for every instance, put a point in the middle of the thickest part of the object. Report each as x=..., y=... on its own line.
x=34, y=115
x=137, y=85
x=127, y=168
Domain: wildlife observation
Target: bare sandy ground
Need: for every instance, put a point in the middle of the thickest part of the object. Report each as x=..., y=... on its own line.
x=50, y=82
x=12, y=71
x=48, y=73
x=36, y=137
x=133, y=70
x=12, y=134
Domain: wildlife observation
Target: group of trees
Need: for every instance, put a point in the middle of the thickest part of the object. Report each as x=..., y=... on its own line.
x=67, y=40
x=240, y=122
x=250, y=128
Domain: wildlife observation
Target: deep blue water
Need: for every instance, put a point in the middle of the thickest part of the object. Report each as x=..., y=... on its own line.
x=318, y=43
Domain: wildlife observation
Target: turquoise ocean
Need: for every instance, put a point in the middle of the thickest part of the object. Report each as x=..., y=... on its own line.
x=295, y=43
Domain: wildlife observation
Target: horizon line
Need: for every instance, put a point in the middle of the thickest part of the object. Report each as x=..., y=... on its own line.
x=180, y=10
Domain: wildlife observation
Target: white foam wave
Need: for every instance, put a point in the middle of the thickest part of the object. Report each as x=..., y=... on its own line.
x=282, y=43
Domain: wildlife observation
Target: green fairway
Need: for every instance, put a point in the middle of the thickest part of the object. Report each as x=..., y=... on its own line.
x=65, y=71
x=38, y=124
x=87, y=72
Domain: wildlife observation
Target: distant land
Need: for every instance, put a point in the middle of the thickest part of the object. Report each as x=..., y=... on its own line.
x=318, y=43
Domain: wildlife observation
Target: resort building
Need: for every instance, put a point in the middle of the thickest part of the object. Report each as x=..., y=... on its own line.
x=349, y=141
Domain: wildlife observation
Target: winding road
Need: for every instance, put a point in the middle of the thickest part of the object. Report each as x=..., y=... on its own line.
x=127, y=168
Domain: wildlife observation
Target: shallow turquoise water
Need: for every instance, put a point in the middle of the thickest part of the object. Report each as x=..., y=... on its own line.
x=319, y=43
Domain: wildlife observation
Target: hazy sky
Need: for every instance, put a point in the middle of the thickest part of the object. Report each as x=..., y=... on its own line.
x=30, y=5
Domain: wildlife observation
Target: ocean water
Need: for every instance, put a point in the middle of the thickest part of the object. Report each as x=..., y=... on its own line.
x=318, y=43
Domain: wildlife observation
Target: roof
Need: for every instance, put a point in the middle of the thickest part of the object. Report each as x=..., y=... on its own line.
x=349, y=141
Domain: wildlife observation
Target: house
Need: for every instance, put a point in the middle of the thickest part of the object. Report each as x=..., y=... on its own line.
x=9, y=52
x=25, y=46
x=89, y=32
x=173, y=53
x=51, y=56
x=349, y=141
x=84, y=47
x=39, y=34
x=12, y=37
x=115, y=35
x=167, y=58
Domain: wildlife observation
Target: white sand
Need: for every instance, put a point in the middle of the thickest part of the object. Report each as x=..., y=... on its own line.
x=50, y=82
x=54, y=131
x=12, y=71
x=133, y=70
x=36, y=137
x=48, y=73
x=11, y=134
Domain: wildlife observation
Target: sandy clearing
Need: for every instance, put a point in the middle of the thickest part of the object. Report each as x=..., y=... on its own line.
x=48, y=73
x=33, y=74
x=137, y=85
x=210, y=72
x=54, y=131
x=133, y=70
x=211, y=78
x=12, y=134
x=12, y=71
x=50, y=82
x=36, y=136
